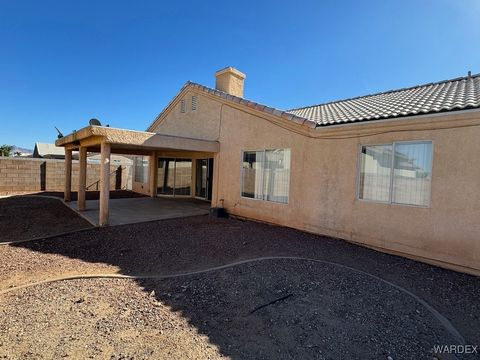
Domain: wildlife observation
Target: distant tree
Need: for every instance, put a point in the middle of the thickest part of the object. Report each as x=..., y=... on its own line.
x=5, y=150
x=17, y=153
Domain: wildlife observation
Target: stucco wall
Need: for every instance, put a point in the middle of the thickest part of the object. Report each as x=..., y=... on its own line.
x=187, y=124
x=141, y=188
x=323, y=185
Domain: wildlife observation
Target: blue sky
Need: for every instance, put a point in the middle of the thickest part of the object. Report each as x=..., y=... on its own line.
x=64, y=62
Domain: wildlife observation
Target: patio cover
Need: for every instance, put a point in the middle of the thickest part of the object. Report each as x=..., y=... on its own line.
x=107, y=140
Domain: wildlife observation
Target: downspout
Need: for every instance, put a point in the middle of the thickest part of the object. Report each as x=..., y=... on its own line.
x=216, y=170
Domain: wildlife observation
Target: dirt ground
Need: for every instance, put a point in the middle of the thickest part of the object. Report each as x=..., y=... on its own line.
x=24, y=217
x=334, y=301
x=104, y=319
x=220, y=315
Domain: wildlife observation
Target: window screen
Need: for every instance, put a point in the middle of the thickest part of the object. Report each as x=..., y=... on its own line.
x=375, y=173
x=266, y=175
x=412, y=176
x=398, y=173
x=252, y=174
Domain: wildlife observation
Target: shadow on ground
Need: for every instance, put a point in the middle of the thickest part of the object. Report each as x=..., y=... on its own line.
x=34, y=215
x=93, y=194
x=284, y=308
x=24, y=217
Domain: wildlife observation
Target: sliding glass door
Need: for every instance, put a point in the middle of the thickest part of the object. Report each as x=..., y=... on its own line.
x=183, y=177
x=166, y=176
x=203, y=178
x=174, y=176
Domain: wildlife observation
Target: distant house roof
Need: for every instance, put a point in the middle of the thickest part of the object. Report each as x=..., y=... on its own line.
x=448, y=95
x=44, y=150
x=114, y=159
x=52, y=151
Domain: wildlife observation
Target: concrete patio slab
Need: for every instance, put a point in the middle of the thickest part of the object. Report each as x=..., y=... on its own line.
x=136, y=210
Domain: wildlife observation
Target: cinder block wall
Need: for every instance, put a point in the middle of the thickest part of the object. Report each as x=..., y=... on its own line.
x=29, y=175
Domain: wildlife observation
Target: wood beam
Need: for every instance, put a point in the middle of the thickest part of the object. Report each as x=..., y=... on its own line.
x=92, y=141
x=123, y=151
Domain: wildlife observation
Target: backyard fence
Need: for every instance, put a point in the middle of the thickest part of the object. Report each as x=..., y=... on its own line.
x=30, y=175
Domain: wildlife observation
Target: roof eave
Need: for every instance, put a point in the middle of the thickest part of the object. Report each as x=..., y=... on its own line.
x=247, y=104
x=399, y=117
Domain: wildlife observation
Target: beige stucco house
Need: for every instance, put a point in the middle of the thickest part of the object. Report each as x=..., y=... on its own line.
x=397, y=171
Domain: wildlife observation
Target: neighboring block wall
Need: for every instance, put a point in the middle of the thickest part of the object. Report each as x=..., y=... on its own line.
x=30, y=175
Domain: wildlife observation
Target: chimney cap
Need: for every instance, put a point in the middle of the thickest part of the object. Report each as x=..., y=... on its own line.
x=232, y=71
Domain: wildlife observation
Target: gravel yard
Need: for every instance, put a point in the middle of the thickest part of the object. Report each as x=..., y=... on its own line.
x=105, y=319
x=220, y=314
x=25, y=217
x=334, y=305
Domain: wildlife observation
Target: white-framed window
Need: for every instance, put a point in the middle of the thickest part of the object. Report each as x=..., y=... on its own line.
x=141, y=169
x=183, y=106
x=266, y=175
x=398, y=173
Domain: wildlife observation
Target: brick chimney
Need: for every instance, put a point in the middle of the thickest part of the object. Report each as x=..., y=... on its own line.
x=230, y=80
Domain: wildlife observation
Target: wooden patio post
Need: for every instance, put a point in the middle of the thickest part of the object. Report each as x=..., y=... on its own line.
x=68, y=175
x=104, y=183
x=82, y=178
